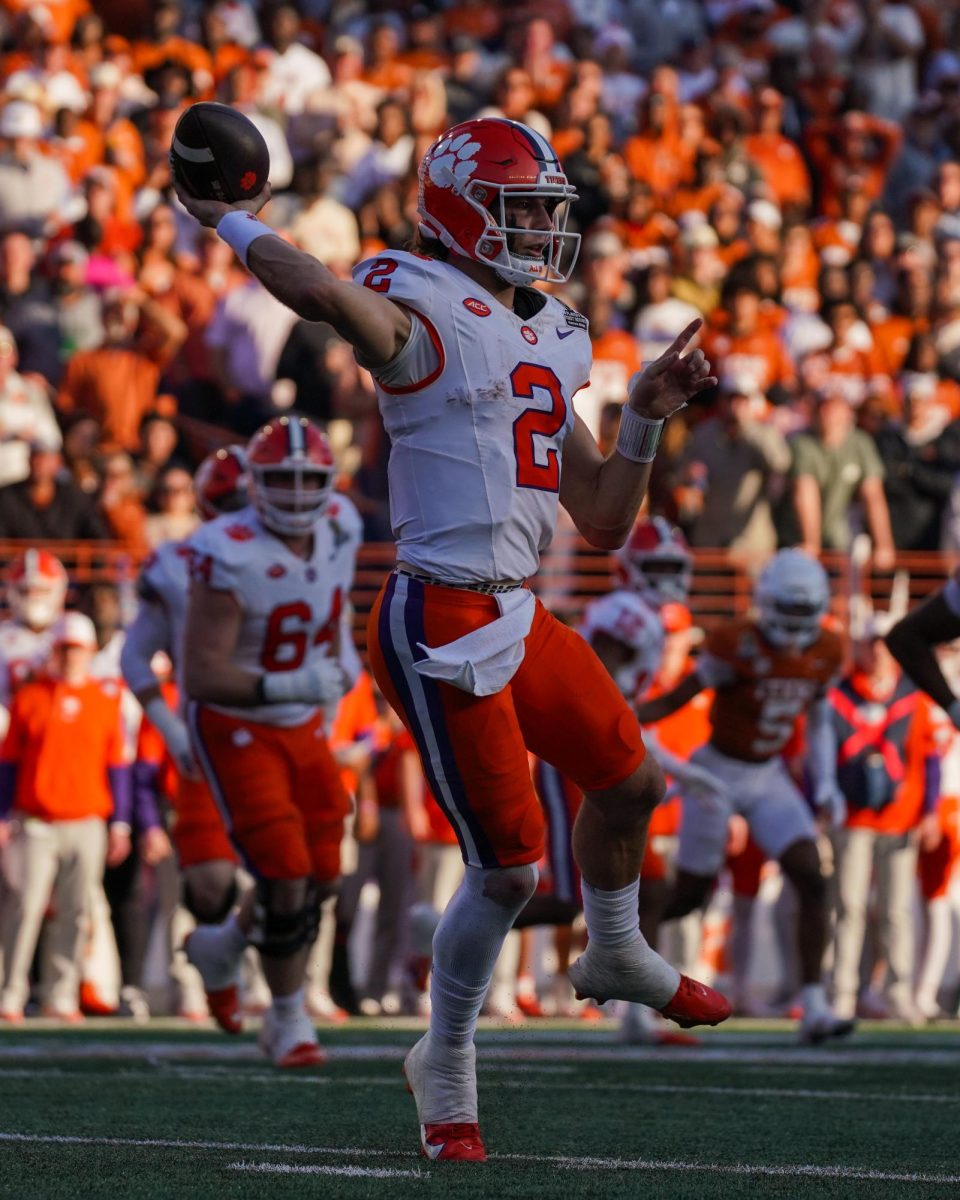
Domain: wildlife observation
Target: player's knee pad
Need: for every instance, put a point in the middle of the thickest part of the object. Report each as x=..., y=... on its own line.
x=208, y=905
x=279, y=930
x=510, y=887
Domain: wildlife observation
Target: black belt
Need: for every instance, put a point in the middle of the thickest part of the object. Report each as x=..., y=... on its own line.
x=486, y=589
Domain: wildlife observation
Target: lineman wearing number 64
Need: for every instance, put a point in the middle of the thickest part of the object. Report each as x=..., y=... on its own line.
x=476, y=371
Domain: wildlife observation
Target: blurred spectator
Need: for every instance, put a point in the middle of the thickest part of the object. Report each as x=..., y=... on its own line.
x=33, y=187
x=661, y=316
x=158, y=442
x=46, y=506
x=63, y=775
x=778, y=159
x=121, y=504
x=78, y=307
x=921, y=460
x=25, y=414
x=118, y=382
x=833, y=463
x=245, y=337
x=175, y=517
x=388, y=159
x=292, y=72
x=733, y=469
x=514, y=97
x=885, y=61
x=27, y=307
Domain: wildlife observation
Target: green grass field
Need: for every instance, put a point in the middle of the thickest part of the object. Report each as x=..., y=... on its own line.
x=158, y=1111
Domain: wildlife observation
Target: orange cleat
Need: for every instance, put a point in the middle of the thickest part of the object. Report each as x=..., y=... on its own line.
x=529, y=1004
x=225, y=1009
x=92, y=1003
x=304, y=1054
x=455, y=1142
x=694, y=1003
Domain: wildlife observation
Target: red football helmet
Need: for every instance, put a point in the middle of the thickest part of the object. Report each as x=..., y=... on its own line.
x=656, y=562
x=291, y=474
x=220, y=484
x=36, y=588
x=466, y=178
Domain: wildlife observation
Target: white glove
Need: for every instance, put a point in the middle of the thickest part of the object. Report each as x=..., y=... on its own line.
x=829, y=800
x=319, y=682
x=175, y=735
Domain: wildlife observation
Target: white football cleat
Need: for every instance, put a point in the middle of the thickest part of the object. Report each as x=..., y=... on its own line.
x=444, y=1087
x=290, y=1042
x=821, y=1027
x=219, y=968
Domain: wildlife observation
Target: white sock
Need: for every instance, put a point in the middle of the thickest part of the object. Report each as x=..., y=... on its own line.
x=234, y=939
x=467, y=944
x=613, y=923
x=288, y=1006
x=813, y=999
x=612, y=917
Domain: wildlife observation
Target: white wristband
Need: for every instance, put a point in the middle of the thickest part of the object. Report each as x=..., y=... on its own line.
x=239, y=229
x=638, y=437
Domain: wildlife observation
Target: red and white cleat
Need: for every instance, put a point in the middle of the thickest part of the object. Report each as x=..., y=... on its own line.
x=696, y=1004
x=453, y=1142
x=444, y=1086
x=219, y=971
x=290, y=1042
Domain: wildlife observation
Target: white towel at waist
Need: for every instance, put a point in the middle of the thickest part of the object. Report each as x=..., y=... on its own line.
x=484, y=661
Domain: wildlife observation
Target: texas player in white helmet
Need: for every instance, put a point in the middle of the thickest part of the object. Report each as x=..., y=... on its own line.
x=768, y=670
x=208, y=861
x=475, y=372
x=260, y=662
x=36, y=589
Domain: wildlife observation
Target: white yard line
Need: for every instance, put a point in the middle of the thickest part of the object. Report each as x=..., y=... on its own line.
x=563, y=1163
x=348, y=1172
x=214, y=1074
x=532, y=1052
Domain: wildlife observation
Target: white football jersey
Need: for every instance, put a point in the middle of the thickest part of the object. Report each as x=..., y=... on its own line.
x=23, y=652
x=627, y=618
x=164, y=581
x=292, y=607
x=476, y=444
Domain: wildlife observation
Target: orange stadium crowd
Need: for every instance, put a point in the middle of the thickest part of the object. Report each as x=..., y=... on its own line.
x=788, y=171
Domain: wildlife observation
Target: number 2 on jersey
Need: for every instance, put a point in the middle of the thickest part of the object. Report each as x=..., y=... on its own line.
x=286, y=638
x=525, y=379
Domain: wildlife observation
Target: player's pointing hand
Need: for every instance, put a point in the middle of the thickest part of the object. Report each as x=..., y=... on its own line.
x=670, y=381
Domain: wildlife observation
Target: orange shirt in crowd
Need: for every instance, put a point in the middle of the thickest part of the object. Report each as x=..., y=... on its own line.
x=63, y=14
x=63, y=739
x=781, y=164
x=758, y=358
x=117, y=385
x=892, y=337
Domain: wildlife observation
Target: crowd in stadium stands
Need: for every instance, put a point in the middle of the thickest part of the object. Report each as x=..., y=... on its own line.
x=790, y=171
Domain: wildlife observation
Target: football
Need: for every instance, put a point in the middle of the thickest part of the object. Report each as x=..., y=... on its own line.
x=219, y=154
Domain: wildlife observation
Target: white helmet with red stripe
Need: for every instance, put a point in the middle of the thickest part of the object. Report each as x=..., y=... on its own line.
x=656, y=562
x=468, y=176
x=36, y=588
x=292, y=472
x=220, y=484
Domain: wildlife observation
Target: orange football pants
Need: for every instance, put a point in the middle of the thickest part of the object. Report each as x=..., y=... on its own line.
x=561, y=705
x=279, y=790
x=199, y=834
